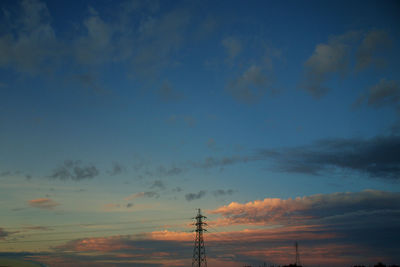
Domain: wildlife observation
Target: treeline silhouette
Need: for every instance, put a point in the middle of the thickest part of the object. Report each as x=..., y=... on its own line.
x=379, y=264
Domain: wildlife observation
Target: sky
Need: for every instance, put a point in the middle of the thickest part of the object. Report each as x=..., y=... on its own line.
x=279, y=119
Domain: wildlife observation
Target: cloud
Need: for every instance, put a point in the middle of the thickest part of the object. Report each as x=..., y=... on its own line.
x=314, y=207
x=136, y=35
x=5, y=173
x=158, y=184
x=111, y=207
x=327, y=225
x=232, y=47
x=249, y=86
x=74, y=170
x=378, y=157
x=375, y=157
x=212, y=162
x=116, y=169
x=177, y=189
x=95, y=46
x=384, y=93
x=91, y=82
x=211, y=143
x=169, y=171
x=327, y=60
x=334, y=229
x=33, y=43
x=373, y=44
x=189, y=120
x=168, y=94
x=157, y=39
x=43, y=203
x=194, y=196
x=3, y=234
x=40, y=228
x=149, y=194
x=222, y=192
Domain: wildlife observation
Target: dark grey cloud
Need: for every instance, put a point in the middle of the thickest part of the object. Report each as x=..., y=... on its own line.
x=222, y=192
x=212, y=162
x=370, y=50
x=328, y=59
x=30, y=44
x=116, y=169
x=334, y=58
x=74, y=170
x=5, y=173
x=194, y=196
x=384, y=93
x=148, y=194
x=129, y=205
x=91, y=82
x=3, y=234
x=169, y=94
x=158, y=184
x=378, y=157
x=250, y=86
x=133, y=34
x=169, y=171
x=232, y=46
x=211, y=144
x=177, y=189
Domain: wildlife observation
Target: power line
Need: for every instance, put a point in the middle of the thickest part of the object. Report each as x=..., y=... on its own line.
x=96, y=224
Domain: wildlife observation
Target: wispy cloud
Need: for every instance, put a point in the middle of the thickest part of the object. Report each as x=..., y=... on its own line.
x=149, y=194
x=116, y=169
x=33, y=44
x=232, y=47
x=370, y=50
x=384, y=93
x=222, y=192
x=378, y=157
x=43, y=203
x=74, y=170
x=334, y=58
x=167, y=93
x=3, y=234
x=250, y=86
x=328, y=59
x=194, y=196
x=158, y=184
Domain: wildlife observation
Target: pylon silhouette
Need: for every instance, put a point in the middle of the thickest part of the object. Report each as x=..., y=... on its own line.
x=199, y=250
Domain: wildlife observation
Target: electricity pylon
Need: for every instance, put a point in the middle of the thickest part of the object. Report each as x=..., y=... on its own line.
x=199, y=250
x=297, y=254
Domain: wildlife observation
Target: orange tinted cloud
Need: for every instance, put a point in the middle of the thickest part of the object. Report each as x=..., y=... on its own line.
x=301, y=209
x=103, y=244
x=43, y=203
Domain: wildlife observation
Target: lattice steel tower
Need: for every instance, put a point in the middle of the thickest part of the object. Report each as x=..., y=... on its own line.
x=297, y=254
x=199, y=250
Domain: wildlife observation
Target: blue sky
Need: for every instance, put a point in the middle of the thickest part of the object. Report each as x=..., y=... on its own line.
x=150, y=109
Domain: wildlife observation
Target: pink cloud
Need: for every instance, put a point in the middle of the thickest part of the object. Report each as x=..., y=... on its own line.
x=301, y=209
x=43, y=203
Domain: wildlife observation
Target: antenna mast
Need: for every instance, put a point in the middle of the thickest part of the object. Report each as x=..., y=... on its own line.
x=297, y=255
x=199, y=250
